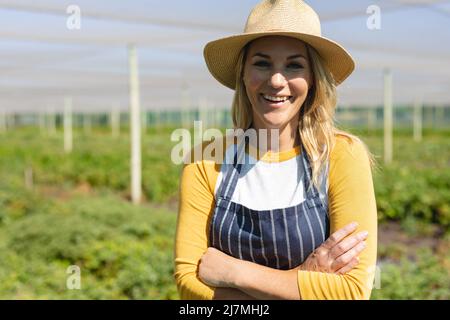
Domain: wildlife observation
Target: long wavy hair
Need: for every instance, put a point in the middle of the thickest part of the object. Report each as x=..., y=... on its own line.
x=317, y=129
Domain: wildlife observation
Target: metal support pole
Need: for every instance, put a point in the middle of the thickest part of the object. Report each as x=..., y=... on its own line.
x=135, y=127
x=68, y=138
x=388, y=125
x=417, y=121
x=2, y=122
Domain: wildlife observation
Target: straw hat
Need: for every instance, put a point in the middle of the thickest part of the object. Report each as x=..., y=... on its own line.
x=292, y=18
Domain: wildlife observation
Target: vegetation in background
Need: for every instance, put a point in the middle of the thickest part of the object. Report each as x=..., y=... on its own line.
x=77, y=213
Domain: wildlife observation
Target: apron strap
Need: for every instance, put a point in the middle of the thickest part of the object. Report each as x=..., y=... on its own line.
x=309, y=187
x=231, y=174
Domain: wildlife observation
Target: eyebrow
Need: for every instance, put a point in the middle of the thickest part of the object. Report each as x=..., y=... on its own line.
x=262, y=55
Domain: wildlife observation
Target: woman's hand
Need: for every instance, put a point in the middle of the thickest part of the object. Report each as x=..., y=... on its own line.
x=216, y=268
x=338, y=254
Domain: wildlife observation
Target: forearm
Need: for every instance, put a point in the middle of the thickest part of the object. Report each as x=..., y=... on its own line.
x=231, y=294
x=266, y=283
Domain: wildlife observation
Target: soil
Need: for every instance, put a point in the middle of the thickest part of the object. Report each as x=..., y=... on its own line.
x=392, y=238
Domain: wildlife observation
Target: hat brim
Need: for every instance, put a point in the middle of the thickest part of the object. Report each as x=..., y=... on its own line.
x=221, y=55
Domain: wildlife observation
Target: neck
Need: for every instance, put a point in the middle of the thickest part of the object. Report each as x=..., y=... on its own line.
x=287, y=137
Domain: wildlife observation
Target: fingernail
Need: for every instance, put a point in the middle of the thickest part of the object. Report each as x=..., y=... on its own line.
x=364, y=234
x=354, y=224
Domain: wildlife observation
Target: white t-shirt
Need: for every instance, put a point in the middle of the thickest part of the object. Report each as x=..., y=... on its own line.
x=273, y=182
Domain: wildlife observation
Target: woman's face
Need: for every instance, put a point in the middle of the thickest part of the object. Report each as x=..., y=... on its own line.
x=277, y=76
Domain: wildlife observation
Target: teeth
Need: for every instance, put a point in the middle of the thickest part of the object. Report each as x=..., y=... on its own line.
x=275, y=99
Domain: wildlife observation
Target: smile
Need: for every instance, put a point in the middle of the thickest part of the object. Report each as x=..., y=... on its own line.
x=276, y=99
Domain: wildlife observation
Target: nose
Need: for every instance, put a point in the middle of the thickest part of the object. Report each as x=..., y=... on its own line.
x=277, y=80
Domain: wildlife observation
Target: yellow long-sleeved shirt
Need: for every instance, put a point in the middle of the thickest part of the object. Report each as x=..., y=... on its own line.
x=350, y=198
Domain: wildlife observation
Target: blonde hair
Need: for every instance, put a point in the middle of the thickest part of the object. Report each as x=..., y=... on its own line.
x=316, y=125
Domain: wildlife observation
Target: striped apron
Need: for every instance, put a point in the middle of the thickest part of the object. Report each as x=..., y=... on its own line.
x=277, y=238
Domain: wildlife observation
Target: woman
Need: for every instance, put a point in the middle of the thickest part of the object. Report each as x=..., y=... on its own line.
x=260, y=228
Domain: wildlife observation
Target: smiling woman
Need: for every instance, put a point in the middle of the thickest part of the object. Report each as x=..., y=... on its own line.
x=276, y=79
x=300, y=221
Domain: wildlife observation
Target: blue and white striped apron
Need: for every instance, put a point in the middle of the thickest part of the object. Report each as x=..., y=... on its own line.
x=277, y=238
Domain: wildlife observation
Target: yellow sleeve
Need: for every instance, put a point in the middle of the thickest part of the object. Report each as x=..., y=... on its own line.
x=195, y=208
x=351, y=198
